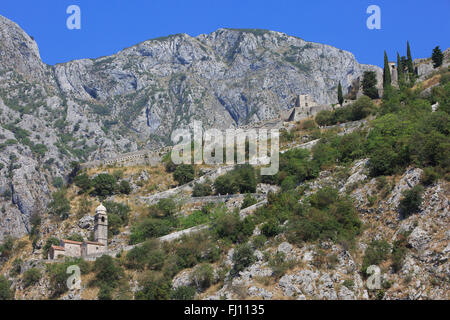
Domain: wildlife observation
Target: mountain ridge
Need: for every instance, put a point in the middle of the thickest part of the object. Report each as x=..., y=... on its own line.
x=93, y=109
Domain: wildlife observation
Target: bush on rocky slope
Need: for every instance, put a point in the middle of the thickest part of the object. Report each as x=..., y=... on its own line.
x=325, y=216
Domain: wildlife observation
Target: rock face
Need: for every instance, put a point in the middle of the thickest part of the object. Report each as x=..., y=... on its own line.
x=95, y=108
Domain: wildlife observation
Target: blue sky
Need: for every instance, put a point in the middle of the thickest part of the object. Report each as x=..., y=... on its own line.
x=109, y=26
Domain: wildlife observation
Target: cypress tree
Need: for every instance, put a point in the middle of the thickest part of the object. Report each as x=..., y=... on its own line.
x=409, y=61
x=437, y=57
x=369, y=83
x=340, y=96
x=400, y=70
x=386, y=72
x=410, y=67
x=399, y=66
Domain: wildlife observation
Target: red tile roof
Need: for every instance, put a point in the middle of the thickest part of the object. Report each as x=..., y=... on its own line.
x=71, y=241
x=58, y=248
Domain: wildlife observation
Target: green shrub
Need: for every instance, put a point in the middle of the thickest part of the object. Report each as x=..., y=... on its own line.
x=194, y=219
x=259, y=241
x=271, y=228
x=31, y=277
x=167, y=207
x=325, y=118
x=411, y=201
x=349, y=284
x=328, y=217
x=242, y=258
x=280, y=265
x=296, y=163
x=183, y=293
x=58, y=182
x=248, y=201
x=83, y=182
x=108, y=272
x=376, y=252
x=105, y=292
x=229, y=226
x=154, y=287
x=202, y=190
x=117, y=174
x=16, y=267
x=429, y=176
x=75, y=237
x=7, y=247
x=5, y=292
x=124, y=187
x=58, y=274
x=118, y=216
x=169, y=165
x=146, y=256
x=193, y=249
x=202, y=276
x=360, y=109
x=288, y=183
x=241, y=179
x=104, y=185
x=150, y=228
x=184, y=173
x=399, y=250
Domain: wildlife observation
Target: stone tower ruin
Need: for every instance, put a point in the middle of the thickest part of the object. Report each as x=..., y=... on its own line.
x=101, y=225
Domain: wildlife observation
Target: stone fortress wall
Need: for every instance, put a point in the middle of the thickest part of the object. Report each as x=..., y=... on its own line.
x=304, y=107
x=140, y=157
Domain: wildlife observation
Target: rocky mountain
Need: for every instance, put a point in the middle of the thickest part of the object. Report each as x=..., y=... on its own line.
x=95, y=108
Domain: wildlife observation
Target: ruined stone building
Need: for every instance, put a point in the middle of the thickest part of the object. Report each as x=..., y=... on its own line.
x=70, y=248
x=304, y=107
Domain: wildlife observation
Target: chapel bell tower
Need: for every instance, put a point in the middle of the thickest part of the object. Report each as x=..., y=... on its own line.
x=101, y=225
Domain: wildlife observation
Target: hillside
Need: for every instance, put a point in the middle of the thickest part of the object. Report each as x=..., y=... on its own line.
x=99, y=108
x=359, y=185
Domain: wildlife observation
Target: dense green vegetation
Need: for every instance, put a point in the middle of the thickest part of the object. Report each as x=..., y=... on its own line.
x=411, y=201
x=6, y=249
x=377, y=252
x=108, y=276
x=184, y=173
x=241, y=179
x=102, y=185
x=31, y=277
x=202, y=189
x=5, y=291
x=325, y=215
x=230, y=227
x=248, y=201
x=358, y=110
x=242, y=258
x=118, y=214
x=404, y=133
x=58, y=274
